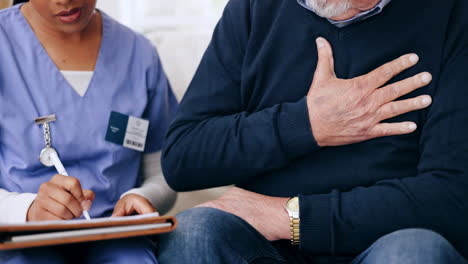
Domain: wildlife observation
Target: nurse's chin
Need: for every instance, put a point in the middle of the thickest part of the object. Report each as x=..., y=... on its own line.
x=71, y=28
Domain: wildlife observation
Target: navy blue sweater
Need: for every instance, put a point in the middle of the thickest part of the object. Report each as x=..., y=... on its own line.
x=244, y=121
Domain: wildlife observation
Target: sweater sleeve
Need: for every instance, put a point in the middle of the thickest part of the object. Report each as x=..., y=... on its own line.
x=436, y=198
x=246, y=144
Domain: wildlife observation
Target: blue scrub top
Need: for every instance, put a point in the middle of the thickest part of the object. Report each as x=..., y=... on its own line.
x=128, y=79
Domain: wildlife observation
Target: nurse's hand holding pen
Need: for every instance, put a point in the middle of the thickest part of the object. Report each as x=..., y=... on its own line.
x=132, y=204
x=60, y=199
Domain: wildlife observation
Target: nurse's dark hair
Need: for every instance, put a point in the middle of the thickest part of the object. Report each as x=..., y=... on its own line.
x=20, y=1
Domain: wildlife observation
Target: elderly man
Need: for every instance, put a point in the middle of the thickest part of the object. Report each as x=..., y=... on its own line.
x=349, y=160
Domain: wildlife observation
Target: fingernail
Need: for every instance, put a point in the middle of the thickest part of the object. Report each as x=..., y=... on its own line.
x=86, y=205
x=414, y=58
x=426, y=77
x=320, y=43
x=426, y=100
x=412, y=127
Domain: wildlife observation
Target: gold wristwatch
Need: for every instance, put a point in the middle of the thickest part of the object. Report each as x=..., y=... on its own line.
x=292, y=207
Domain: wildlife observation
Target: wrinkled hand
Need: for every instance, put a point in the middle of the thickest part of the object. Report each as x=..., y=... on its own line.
x=266, y=214
x=62, y=198
x=350, y=111
x=132, y=204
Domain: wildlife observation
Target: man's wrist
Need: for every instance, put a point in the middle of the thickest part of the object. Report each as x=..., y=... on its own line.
x=283, y=225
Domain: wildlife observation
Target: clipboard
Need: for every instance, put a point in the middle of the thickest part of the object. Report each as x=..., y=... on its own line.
x=51, y=233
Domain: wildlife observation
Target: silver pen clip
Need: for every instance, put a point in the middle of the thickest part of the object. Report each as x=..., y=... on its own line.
x=45, y=119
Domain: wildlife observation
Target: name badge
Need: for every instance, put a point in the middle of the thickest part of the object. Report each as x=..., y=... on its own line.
x=128, y=131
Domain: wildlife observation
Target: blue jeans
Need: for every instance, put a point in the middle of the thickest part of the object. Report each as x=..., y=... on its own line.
x=206, y=235
x=134, y=250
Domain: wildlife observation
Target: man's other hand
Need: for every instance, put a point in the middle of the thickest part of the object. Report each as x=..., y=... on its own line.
x=344, y=112
x=266, y=214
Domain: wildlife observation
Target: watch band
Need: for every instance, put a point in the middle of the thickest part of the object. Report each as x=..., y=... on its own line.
x=293, y=209
x=294, y=223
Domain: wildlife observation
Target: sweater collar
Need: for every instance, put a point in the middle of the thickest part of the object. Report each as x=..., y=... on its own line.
x=361, y=16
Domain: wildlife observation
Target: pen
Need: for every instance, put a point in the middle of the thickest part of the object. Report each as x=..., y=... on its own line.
x=61, y=170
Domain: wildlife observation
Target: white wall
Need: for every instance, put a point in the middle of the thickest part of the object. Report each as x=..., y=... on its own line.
x=180, y=29
x=146, y=15
x=110, y=7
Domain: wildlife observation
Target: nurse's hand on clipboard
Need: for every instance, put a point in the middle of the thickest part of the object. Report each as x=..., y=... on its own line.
x=132, y=204
x=60, y=199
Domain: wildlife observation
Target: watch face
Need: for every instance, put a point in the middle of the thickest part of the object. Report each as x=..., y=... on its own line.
x=44, y=158
x=293, y=204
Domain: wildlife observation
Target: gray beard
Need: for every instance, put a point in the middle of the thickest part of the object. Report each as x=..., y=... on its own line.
x=328, y=10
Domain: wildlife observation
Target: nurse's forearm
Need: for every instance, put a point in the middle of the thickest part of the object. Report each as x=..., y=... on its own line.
x=154, y=187
x=15, y=206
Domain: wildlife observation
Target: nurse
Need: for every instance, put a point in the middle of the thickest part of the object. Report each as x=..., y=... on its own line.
x=66, y=58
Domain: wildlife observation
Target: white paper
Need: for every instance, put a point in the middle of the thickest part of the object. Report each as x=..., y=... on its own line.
x=84, y=221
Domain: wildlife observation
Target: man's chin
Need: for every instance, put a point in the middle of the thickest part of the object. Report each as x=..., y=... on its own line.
x=327, y=9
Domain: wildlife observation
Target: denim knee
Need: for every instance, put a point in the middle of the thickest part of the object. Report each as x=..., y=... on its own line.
x=199, y=229
x=207, y=234
x=411, y=246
